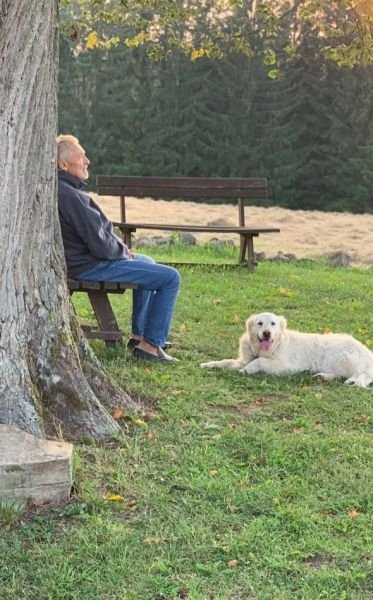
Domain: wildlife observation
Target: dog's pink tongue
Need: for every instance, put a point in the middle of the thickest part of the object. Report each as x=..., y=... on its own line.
x=265, y=345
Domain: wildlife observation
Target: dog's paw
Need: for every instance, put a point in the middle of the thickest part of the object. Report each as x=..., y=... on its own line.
x=208, y=365
x=361, y=380
x=325, y=376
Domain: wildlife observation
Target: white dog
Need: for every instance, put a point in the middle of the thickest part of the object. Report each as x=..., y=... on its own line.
x=268, y=346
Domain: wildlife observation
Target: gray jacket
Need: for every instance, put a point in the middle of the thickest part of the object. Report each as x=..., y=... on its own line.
x=87, y=233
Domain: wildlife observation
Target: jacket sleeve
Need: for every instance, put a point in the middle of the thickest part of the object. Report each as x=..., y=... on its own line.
x=95, y=229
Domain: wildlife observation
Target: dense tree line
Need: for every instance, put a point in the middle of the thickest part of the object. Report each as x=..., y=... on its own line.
x=309, y=130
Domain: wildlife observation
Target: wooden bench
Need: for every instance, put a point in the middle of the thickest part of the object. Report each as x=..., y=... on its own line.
x=97, y=292
x=197, y=188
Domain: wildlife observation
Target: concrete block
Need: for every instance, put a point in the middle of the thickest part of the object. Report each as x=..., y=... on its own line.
x=32, y=468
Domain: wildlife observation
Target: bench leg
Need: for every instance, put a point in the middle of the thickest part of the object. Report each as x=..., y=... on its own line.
x=108, y=326
x=247, y=246
x=243, y=246
x=127, y=238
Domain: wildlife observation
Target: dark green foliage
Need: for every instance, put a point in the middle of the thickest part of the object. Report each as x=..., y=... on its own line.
x=310, y=131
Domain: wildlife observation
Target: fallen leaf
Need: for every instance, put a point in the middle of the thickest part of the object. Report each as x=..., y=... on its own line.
x=152, y=540
x=232, y=425
x=261, y=401
x=298, y=430
x=114, y=498
x=182, y=328
x=117, y=414
x=362, y=418
x=236, y=319
x=276, y=501
x=213, y=473
x=139, y=423
x=232, y=564
x=285, y=293
x=353, y=514
x=318, y=396
x=150, y=416
x=362, y=330
x=327, y=330
x=151, y=436
x=217, y=301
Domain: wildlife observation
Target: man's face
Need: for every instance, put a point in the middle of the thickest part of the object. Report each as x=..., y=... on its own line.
x=77, y=163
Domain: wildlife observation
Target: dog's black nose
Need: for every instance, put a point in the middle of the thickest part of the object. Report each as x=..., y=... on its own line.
x=266, y=335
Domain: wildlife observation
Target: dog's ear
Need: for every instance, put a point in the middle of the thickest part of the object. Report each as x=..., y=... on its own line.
x=283, y=323
x=250, y=323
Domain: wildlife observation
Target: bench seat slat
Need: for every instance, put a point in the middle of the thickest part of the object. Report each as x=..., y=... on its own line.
x=78, y=285
x=195, y=228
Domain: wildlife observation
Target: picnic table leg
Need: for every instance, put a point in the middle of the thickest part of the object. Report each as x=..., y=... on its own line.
x=108, y=326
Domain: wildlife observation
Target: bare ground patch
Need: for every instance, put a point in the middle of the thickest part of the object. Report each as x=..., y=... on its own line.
x=260, y=403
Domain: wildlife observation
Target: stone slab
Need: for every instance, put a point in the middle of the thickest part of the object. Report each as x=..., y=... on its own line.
x=32, y=468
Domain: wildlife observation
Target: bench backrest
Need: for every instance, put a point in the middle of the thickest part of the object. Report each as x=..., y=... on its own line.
x=182, y=187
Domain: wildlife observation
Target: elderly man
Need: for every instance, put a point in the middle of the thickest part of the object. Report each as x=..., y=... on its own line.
x=94, y=253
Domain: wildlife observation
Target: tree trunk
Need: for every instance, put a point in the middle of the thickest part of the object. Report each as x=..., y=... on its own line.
x=50, y=381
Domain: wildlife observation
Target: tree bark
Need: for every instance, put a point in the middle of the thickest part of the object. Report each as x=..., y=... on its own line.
x=50, y=381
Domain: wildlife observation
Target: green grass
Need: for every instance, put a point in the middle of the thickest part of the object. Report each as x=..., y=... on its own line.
x=233, y=487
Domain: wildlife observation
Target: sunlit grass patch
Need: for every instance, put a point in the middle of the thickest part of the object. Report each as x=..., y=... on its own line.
x=226, y=486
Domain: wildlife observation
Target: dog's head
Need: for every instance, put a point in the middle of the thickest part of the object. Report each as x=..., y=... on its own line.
x=265, y=331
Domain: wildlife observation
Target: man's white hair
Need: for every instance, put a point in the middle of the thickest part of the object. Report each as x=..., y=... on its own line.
x=64, y=144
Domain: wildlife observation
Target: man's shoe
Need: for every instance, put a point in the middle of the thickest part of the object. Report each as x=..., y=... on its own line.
x=161, y=356
x=166, y=356
x=133, y=343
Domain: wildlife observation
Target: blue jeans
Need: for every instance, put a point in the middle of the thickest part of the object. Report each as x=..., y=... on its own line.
x=153, y=301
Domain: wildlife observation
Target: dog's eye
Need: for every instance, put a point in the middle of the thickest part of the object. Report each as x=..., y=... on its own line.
x=260, y=323
x=273, y=323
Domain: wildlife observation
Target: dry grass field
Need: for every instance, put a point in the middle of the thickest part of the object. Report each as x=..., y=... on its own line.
x=308, y=234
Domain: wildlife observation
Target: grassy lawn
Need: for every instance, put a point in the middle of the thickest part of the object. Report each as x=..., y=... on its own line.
x=228, y=486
